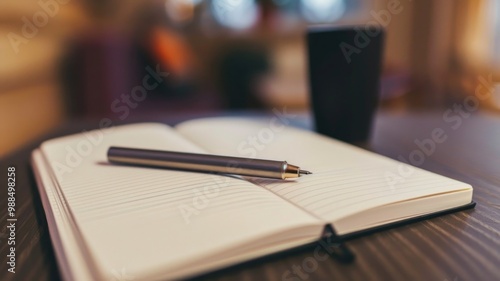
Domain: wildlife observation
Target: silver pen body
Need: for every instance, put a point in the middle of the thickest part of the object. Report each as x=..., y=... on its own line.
x=203, y=163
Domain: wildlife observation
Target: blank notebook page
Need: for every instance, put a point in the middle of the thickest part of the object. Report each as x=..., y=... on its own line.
x=346, y=180
x=131, y=217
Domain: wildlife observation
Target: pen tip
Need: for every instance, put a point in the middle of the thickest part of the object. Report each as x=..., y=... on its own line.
x=304, y=172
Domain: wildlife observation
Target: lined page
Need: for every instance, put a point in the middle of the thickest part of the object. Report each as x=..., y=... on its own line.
x=147, y=220
x=346, y=180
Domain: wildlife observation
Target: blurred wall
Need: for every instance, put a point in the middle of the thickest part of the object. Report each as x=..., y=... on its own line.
x=444, y=45
x=399, y=36
x=31, y=39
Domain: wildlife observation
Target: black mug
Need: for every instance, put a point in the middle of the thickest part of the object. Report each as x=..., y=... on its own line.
x=344, y=78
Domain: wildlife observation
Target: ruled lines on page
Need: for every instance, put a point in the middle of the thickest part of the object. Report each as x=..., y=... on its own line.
x=345, y=179
x=167, y=217
x=96, y=189
x=127, y=191
x=333, y=194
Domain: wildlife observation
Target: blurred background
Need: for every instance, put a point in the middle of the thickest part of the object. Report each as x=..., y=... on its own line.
x=73, y=59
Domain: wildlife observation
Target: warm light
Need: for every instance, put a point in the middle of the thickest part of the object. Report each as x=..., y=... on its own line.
x=181, y=10
x=496, y=32
x=235, y=14
x=496, y=95
x=322, y=10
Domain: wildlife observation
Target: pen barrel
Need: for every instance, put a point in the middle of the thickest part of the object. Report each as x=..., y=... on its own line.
x=203, y=163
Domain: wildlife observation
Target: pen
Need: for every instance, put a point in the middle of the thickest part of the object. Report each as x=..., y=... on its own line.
x=204, y=163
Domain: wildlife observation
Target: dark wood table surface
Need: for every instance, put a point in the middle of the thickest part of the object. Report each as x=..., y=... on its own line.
x=456, y=247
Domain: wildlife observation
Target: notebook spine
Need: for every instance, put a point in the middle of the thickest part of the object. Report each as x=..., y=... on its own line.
x=335, y=246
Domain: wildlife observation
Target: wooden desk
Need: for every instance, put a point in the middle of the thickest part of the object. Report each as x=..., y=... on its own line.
x=456, y=247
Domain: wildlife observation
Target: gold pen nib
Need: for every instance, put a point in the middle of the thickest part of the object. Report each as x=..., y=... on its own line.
x=292, y=171
x=304, y=172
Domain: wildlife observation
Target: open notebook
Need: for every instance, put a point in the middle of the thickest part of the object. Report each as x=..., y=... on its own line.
x=108, y=220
